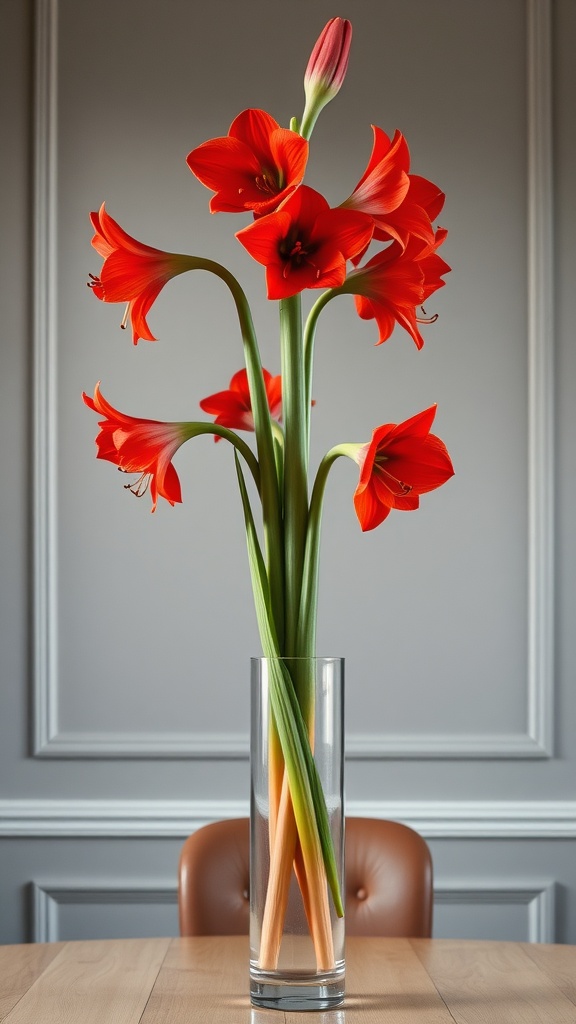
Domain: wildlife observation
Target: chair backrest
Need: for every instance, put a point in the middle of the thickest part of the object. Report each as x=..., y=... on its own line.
x=388, y=879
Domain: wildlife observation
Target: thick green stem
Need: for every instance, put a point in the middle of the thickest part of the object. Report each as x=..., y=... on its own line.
x=294, y=413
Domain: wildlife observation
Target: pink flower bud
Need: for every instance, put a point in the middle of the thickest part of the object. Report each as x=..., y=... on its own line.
x=329, y=59
x=326, y=70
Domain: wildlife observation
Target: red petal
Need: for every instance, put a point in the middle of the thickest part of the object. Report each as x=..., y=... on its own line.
x=290, y=154
x=387, y=490
x=369, y=510
x=280, y=286
x=105, y=409
x=350, y=231
x=274, y=393
x=425, y=193
x=261, y=238
x=254, y=127
x=239, y=383
x=403, y=222
x=139, y=308
x=120, y=239
x=218, y=161
x=417, y=426
x=169, y=486
x=304, y=206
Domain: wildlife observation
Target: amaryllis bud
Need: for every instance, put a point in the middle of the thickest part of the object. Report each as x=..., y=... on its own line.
x=329, y=59
x=326, y=70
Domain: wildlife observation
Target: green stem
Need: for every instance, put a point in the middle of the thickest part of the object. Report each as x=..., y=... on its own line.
x=309, y=118
x=233, y=438
x=309, y=336
x=294, y=414
x=305, y=786
x=269, y=489
x=309, y=603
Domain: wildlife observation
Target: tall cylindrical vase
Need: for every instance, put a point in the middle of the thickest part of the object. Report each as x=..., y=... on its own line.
x=296, y=935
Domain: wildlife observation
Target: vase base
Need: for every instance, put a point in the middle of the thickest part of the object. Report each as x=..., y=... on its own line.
x=287, y=991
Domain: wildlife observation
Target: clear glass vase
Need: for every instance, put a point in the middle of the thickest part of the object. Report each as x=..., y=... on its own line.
x=296, y=935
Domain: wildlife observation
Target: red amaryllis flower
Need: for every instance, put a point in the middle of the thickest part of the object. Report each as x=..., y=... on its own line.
x=254, y=167
x=401, y=462
x=394, y=284
x=132, y=272
x=305, y=243
x=140, y=446
x=233, y=407
x=400, y=203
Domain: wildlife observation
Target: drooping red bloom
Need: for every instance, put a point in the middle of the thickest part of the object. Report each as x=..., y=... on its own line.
x=401, y=462
x=305, y=243
x=233, y=407
x=401, y=204
x=140, y=446
x=394, y=284
x=132, y=272
x=254, y=167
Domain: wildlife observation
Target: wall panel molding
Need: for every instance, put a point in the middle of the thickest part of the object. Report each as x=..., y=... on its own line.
x=48, y=897
x=540, y=291
x=534, y=738
x=166, y=819
x=539, y=898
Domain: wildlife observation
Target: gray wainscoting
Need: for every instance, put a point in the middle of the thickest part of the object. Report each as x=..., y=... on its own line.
x=125, y=638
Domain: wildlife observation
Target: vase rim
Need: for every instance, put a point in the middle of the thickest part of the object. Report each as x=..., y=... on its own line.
x=298, y=657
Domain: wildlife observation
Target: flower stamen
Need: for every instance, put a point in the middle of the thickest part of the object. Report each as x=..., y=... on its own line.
x=398, y=488
x=425, y=319
x=265, y=183
x=139, y=487
x=294, y=255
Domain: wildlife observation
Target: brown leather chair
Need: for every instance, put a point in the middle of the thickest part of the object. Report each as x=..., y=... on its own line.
x=388, y=879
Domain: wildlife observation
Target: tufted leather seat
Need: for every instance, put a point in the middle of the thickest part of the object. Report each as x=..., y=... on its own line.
x=388, y=879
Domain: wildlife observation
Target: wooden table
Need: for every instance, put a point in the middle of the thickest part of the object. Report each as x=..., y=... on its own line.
x=205, y=981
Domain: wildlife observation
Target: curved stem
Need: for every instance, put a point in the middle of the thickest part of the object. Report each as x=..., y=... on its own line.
x=269, y=489
x=234, y=439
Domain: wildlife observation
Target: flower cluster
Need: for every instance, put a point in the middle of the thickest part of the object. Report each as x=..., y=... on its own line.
x=379, y=245
x=302, y=242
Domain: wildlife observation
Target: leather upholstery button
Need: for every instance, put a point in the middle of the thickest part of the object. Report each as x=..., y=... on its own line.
x=361, y=894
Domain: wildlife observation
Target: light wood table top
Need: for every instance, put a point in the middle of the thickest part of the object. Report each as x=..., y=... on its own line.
x=205, y=981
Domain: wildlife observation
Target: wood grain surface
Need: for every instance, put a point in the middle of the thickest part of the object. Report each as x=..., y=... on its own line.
x=205, y=981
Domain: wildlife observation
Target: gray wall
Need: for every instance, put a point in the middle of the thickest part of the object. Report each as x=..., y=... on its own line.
x=125, y=637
